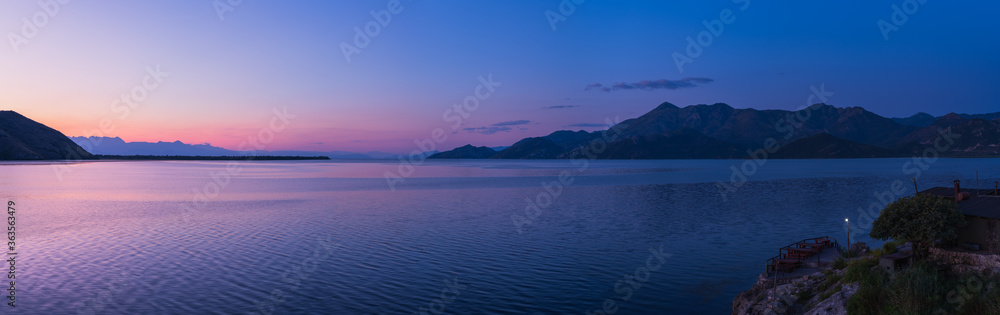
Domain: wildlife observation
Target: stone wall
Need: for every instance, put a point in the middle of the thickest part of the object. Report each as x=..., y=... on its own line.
x=966, y=260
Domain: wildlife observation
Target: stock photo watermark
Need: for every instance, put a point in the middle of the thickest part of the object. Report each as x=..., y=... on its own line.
x=12, y=254
x=787, y=125
x=629, y=284
x=551, y=190
x=913, y=168
x=456, y=115
x=713, y=29
x=123, y=106
x=565, y=9
x=899, y=16
x=451, y=291
x=105, y=297
x=222, y=7
x=363, y=35
x=293, y=278
x=30, y=27
x=220, y=179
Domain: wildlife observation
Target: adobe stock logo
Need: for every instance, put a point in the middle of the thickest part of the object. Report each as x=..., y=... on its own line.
x=31, y=27
x=898, y=17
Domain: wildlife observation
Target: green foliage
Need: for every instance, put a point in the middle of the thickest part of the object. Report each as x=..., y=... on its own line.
x=840, y=263
x=983, y=304
x=917, y=289
x=804, y=295
x=921, y=289
x=859, y=269
x=830, y=281
x=846, y=253
x=922, y=219
x=872, y=296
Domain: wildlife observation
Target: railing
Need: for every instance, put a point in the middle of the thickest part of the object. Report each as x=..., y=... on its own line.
x=786, y=252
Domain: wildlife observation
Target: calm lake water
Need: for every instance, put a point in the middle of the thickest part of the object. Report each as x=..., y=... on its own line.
x=330, y=237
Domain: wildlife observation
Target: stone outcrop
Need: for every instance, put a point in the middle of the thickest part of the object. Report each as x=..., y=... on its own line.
x=805, y=295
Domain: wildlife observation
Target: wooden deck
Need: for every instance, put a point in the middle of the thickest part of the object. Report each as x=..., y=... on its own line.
x=794, y=255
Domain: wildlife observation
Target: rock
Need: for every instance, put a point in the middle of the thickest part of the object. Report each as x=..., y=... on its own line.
x=860, y=249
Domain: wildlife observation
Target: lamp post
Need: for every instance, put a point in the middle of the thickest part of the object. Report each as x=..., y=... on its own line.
x=848, y=223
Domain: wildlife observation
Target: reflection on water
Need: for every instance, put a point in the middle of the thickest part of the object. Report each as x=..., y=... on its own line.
x=329, y=237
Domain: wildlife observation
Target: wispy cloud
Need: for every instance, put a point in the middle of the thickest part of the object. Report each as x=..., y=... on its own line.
x=651, y=84
x=512, y=123
x=561, y=106
x=487, y=130
x=588, y=125
x=503, y=126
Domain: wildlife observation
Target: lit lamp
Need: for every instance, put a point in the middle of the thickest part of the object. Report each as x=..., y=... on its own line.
x=848, y=223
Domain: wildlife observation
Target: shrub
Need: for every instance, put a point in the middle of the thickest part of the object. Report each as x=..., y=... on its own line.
x=859, y=269
x=872, y=296
x=917, y=289
x=840, y=263
x=827, y=294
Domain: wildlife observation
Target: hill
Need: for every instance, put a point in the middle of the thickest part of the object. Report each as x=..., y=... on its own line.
x=24, y=139
x=465, y=152
x=719, y=131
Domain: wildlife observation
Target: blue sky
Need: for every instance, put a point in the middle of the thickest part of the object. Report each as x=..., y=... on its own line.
x=227, y=75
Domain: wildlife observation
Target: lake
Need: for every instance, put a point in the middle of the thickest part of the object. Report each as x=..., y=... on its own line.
x=454, y=237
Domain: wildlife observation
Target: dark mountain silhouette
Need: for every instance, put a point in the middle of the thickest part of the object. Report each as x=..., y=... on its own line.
x=465, y=152
x=920, y=119
x=931, y=131
x=958, y=137
x=569, y=140
x=826, y=146
x=684, y=143
x=924, y=119
x=24, y=139
x=751, y=127
x=818, y=131
x=990, y=116
x=531, y=148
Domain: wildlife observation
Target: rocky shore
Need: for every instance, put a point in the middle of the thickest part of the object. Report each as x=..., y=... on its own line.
x=812, y=294
x=964, y=283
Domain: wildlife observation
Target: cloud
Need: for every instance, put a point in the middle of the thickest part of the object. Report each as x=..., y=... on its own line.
x=498, y=127
x=561, y=106
x=487, y=130
x=651, y=84
x=588, y=125
x=512, y=123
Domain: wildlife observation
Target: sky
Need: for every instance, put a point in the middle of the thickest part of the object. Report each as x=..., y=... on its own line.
x=203, y=71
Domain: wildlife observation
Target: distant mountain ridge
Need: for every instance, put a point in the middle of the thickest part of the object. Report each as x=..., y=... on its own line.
x=24, y=139
x=719, y=131
x=117, y=146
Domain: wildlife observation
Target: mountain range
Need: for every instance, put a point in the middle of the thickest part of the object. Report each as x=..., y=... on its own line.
x=117, y=146
x=719, y=131
x=716, y=131
x=24, y=139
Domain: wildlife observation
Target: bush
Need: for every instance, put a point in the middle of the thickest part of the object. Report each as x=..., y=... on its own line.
x=917, y=289
x=840, y=263
x=846, y=253
x=872, y=296
x=830, y=281
x=804, y=295
x=859, y=269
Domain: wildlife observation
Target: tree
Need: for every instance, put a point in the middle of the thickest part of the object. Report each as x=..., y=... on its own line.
x=921, y=219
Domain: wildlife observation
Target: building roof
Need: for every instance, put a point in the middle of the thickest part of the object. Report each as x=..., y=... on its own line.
x=985, y=204
x=949, y=192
